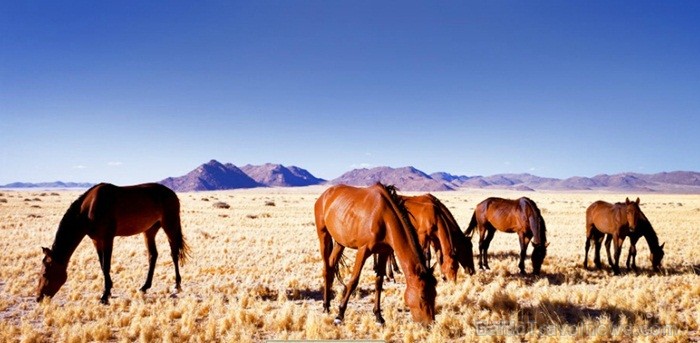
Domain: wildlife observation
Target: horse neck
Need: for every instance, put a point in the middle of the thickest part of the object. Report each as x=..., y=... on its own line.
x=405, y=243
x=651, y=237
x=410, y=258
x=538, y=229
x=70, y=233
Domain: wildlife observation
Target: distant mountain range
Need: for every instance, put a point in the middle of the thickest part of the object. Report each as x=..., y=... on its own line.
x=214, y=175
x=56, y=184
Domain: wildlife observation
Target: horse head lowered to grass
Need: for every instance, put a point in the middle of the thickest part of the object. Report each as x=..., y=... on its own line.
x=372, y=220
x=104, y=212
x=521, y=216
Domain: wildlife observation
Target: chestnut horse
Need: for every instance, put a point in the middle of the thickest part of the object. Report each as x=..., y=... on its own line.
x=617, y=220
x=372, y=220
x=436, y=227
x=105, y=211
x=520, y=216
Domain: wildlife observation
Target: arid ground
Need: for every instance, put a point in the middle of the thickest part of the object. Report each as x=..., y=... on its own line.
x=255, y=275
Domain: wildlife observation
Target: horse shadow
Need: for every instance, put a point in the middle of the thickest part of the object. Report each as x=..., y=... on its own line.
x=550, y=312
x=503, y=255
x=305, y=294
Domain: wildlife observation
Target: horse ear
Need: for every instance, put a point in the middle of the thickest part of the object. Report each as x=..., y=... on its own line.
x=627, y=201
x=662, y=245
x=546, y=244
x=637, y=201
x=46, y=251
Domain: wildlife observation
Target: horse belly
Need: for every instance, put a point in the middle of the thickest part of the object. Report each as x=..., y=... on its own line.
x=509, y=230
x=132, y=221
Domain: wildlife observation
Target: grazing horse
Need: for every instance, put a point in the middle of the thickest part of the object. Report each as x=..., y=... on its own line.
x=372, y=220
x=521, y=216
x=436, y=227
x=105, y=211
x=617, y=221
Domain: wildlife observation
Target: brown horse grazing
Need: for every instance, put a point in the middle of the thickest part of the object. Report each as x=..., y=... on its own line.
x=521, y=216
x=436, y=227
x=619, y=221
x=106, y=211
x=374, y=221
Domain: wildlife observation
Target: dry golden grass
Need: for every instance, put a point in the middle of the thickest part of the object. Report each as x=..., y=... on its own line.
x=255, y=275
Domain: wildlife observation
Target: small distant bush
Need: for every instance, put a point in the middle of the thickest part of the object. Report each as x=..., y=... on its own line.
x=205, y=199
x=270, y=203
x=3, y=200
x=221, y=204
x=55, y=194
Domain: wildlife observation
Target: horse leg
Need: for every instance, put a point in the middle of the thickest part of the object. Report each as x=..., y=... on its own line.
x=99, y=249
x=618, y=250
x=362, y=255
x=524, y=242
x=107, y=245
x=392, y=267
x=588, y=247
x=381, y=271
x=608, y=240
x=150, y=238
x=632, y=255
x=486, y=244
x=596, y=259
x=326, y=243
x=482, y=238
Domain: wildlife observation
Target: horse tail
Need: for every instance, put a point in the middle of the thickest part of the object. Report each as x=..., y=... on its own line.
x=472, y=225
x=174, y=231
x=338, y=265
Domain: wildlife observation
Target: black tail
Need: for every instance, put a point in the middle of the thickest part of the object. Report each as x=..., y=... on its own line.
x=175, y=235
x=338, y=265
x=472, y=225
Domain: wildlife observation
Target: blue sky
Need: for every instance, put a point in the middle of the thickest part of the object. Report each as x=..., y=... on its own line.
x=132, y=92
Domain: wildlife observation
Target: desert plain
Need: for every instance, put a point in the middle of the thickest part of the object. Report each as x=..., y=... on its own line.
x=255, y=274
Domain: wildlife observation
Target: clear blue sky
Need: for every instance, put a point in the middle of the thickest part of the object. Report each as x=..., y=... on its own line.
x=131, y=92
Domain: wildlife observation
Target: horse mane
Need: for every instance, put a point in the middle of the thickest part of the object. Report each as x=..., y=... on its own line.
x=648, y=232
x=67, y=225
x=400, y=206
x=449, y=221
x=542, y=227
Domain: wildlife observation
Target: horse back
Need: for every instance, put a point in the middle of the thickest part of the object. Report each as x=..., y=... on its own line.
x=605, y=217
x=503, y=214
x=423, y=213
x=353, y=216
x=129, y=210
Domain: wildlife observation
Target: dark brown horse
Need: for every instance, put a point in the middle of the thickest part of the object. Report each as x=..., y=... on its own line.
x=619, y=220
x=106, y=211
x=436, y=227
x=644, y=229
x=374, y=221
x=520, y=216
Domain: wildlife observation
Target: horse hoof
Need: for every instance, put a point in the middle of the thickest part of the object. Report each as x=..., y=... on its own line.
x=337, y=321
x=380, y=322
x=104, y=301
